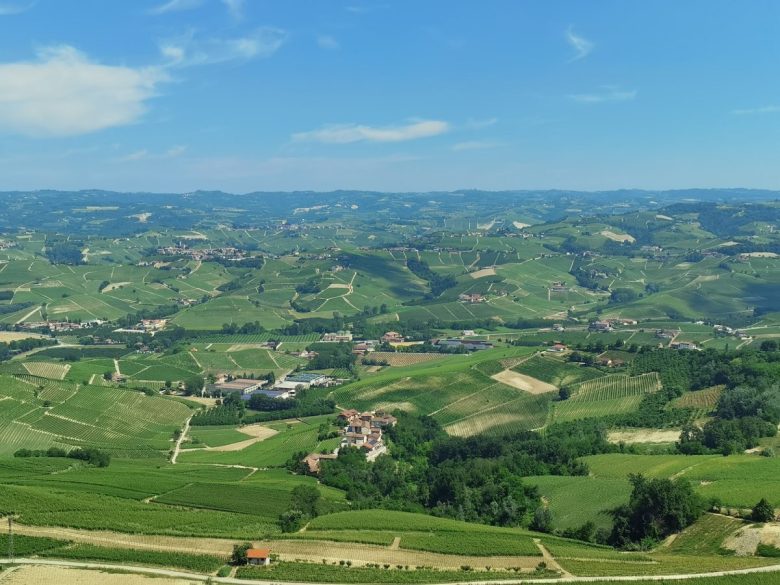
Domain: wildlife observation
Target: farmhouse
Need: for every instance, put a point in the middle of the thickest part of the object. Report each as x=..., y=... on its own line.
x=312, y=460
x=258, y=556
x=557, y=348
x=665, y=334
x=392, y=337
x=601, y=326
x=338, y=337
x=471, y=298
x=364, y=431
x=686, y=345
x=153, y=324
x=558, y=286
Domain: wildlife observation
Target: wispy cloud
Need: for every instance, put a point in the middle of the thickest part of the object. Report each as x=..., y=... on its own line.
x=759, y=110
x=582, y=46
x=144, y=154
x=473, y=145
x=11, y=8
x=235, y=8
x=347, y=133
x=609, y=94
x=64, y=93
x=190, y=50
x=327, y=42
x=479, y=123
x=175, y=6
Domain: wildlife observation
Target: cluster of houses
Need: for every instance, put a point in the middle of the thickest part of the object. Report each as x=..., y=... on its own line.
x=150, y=326
x=738, y=333
x=363, y=347
x=181, y=249
x=283, y=389
x=472, y=298
x=60, y=326
x=362, y=430
x=606, y=325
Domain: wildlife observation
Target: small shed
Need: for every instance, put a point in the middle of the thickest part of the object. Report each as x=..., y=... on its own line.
x=258, y=556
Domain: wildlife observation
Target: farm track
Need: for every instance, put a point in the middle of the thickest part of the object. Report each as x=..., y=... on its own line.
x=233, y=581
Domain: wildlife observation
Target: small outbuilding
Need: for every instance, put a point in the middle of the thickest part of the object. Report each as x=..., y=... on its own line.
x=258, y=556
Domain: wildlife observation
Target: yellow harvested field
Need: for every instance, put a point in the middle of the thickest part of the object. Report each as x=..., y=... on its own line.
x=258, y=431
x=630, y=436
x=36, y=575
x=288, y=550
x=7, y=336
x=523, y=382
x=615, y=237
x=338, y=285
x=114, y=286
x=482, y=273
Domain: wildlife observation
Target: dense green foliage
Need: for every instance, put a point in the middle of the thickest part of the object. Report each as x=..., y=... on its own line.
x=657, y=508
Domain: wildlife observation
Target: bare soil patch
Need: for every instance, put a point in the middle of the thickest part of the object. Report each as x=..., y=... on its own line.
x=114, y=286
x=6, y=336
x=523, y=382
x=644, y=436
x=520, y=225
x=615, y=237
x=35, y=575
x=482, y=273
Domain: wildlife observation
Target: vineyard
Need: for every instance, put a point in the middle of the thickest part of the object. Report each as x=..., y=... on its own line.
x=403, y=358
x=52, y=370
x=555, y=371
x=702, y=401
x=608, y=395
x=62, y=413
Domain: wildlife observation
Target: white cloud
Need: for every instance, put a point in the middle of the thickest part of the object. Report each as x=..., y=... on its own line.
x=582, y=46
x=63, y=93
x=189, y=51
x=347, y=133
x=473, y=145
x=235, y=8
x=175, y=6
x=144, y=154
x=327, y=42
x=478, y=124
x=610, y=94
x=760, y=110
x=12, y=8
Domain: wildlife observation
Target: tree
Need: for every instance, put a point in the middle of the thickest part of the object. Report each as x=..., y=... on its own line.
x=564, y=393
x=656, y=509
x=305, y=498
x=239, y=553
x=763, y=511
x=542, y=520
x=291, y=520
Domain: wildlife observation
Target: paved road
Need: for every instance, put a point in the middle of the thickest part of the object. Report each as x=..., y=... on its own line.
x=234, y=581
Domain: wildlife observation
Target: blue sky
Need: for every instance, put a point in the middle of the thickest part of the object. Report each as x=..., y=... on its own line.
x=178, y=95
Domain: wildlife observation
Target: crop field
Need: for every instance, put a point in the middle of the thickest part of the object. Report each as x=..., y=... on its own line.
x=272, y=452
x=555, y=371
x=713, y=476
x=84, y=415
x=612, y=394
x=702, y=401
x=464, y=401
x=402, y=359
x=576, y=500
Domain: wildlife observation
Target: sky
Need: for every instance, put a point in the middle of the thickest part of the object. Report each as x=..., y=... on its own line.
x=389, y=95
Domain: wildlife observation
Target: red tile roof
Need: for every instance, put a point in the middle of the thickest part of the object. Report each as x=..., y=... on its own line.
x=258, y=553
